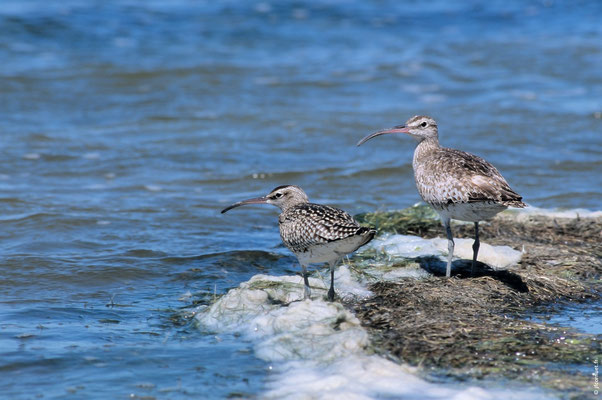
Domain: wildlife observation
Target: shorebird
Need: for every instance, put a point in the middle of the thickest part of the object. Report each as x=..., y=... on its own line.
x=457, y=184
x=315, y=233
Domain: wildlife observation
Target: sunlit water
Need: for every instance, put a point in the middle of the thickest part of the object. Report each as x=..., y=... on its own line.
x=585, y=317
x=126, y=126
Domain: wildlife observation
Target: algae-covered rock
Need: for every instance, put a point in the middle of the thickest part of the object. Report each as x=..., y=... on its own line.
x=396, y=319
x=476, y=327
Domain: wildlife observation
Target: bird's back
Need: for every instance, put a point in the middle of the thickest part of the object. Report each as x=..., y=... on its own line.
x=448, y=176
x=307, y=225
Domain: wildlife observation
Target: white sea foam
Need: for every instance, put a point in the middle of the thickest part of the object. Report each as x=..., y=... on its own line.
x=318, y=349
x=406, y=246
x=498, y=257
x=520, y=213
x=31, y=156
x=91, y=156
x=153, y=188
x=555, y=213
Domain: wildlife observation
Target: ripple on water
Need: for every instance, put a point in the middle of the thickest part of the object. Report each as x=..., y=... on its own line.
x=122, y=141
x=585, y=317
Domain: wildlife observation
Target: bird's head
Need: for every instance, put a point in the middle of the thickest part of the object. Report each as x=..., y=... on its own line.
x=420, y=127
x=282, y=197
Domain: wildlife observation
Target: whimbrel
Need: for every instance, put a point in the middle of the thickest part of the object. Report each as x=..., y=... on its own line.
x=457, y=184
x=315, y=233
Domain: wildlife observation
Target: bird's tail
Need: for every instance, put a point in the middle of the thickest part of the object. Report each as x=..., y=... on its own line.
x=368, y=233
x=515, y=203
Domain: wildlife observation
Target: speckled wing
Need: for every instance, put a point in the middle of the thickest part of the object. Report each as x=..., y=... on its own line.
x=459, y=177
x=307, y=225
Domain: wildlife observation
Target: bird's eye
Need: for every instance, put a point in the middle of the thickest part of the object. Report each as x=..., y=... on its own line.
x=277, y=196
x=423, y=124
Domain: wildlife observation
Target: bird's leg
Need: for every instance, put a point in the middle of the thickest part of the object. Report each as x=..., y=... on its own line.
x=306, y=289
x=475, y=247
x=331, y=290
x=450, y=246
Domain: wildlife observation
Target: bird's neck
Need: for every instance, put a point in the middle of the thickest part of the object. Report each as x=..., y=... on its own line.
x=290, y=205
x=426, y=147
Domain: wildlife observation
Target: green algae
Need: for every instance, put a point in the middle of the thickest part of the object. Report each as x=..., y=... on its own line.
x=419, y=220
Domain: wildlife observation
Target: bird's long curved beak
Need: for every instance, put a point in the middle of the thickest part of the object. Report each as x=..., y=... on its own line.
x=396, y=129
x=257, y=200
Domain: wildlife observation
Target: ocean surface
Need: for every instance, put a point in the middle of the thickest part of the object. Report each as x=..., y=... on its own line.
x=126, y=126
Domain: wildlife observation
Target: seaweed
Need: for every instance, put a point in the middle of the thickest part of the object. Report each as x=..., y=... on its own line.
x=478, y=327
x=420, y=220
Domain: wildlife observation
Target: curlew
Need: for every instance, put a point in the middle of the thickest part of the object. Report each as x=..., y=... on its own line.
x=457, y=184
x=315, y=233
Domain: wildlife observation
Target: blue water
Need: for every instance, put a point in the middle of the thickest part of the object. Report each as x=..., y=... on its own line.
x=126, y=126
x=585, y=317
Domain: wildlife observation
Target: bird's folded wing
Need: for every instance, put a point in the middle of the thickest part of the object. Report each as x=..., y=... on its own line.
x=479, y=179
x=314, y=224
x=486, y=188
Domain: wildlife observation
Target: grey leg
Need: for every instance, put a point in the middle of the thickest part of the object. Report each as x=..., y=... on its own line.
x=331, y=290
x=475, y=247
x=450, y=246
x=306, y=289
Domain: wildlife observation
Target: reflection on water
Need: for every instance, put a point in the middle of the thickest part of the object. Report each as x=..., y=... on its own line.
x=126, y=127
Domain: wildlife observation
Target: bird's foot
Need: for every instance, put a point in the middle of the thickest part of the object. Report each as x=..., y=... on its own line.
x=473, y=269
x=448, y=270
x=307, y=293
x=331, y=294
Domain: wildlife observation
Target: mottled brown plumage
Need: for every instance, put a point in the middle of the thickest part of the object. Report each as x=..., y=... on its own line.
x=305, y=225
x=315, y=233
x=445, y=175
x=457, y=184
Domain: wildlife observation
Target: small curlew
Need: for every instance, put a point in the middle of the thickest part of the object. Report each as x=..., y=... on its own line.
x=315, y=233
